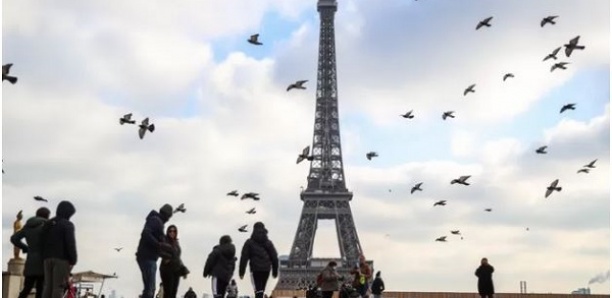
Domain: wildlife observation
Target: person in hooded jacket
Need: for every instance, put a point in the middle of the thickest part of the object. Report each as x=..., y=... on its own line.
x=378, y=286
x=261, y=255
x=485, y=279
x=33, y=269
x=59, y=250
x=151, y=240
x=220, y=265
x=330, y=280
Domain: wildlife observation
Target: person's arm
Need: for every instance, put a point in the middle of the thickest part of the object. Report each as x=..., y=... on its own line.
x=274, y=258
x=210, y=263
x=16, y=240
x=70, y=244
x=244, y=258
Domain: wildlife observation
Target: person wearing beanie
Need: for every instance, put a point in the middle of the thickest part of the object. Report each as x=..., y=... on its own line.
x=378, y=286
x=59, y=250
x=261, y=255
x=220, y=265
x=151, y=240
x=34, y=268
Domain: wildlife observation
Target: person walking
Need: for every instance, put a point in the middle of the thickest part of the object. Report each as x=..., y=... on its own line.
x=220, y=264
x=485, y=279
x=329, y=280
x=259, y=252
x=378, y=286
x=172, y=267
x=33, y=271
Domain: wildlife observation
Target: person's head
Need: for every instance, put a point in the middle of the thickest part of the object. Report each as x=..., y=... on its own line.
x=362, y=258
x=165, y=212
x=225, y=239
x=332, y=264
x=233, y=282
x=258, y=226
x=65, y=210
x=190, y=289
x=484, y=261
x=172, y=232
x=378, y=274
x=43, y=212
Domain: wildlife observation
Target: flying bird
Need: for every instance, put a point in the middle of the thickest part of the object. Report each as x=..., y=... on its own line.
x=127, y=118
x=552, y=55
x=488, y=209
x=180, y=208
x=144, y=126
x=456, y=232
x=440, y=203
x=549, y=20
x=250, y=195
x=41, y=199
x=572, y=45
x=560, y=65
x=408, y=115
x=586, y=171
x=233, y=193
x=484, y=22
x=304, y=155
x=527, y=229
x=469, y=89
x=416, y=187
x=253, y=40
x=569, y=106
x=448, y=114
x=461, y=180
x=371, y=154
x=251, y=211
x=553, y=186
x=591, y=164
x=297, y=85
x=118, y=249
x=6, y=68
x=508, y=75
x=441, y=239
x=542, y=150
x=243, y=229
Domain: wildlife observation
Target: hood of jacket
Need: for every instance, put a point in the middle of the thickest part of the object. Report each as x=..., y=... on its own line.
x=34, y=222
x=65, y=210
x=227, y=250
x=260, y=235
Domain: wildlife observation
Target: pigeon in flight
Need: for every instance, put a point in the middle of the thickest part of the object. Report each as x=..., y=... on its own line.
x=456, y=232
x=591, y=164
x=416, y=187
x=553, y=186
x=484, y=22
x=542, y=150
x=304, y=155
x=469, y=89
x=233, y=193
x=527, y=229
x=180, y=208
x=508, y=75
x=441, y=239
x=408, y=115
x=560, y=65
x=572, y=45
x=552, y=55
x=488, y=209
x=118, y=249
x=6, y=68
x=569, y=106
x=549, y=20
x=250, y=195
x=127, y=118
x=461, y=180
x=371, y=154
x=41, y=199
x=251, y=211
x=243, y=229
x=586, y=171
x=440, y=203
x=448, y=114
x=297, y=85
x=144, y=126
x=253, y=40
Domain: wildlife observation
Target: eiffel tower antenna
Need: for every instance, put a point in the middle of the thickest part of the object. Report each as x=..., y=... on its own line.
x=326, y=196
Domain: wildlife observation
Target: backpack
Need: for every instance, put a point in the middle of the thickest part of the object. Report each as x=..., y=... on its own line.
x=320, y=279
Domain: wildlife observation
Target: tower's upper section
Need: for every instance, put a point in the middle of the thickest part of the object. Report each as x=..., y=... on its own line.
x=326, y=169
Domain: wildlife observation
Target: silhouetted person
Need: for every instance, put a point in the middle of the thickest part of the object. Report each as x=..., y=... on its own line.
x=378, y=286
x=59, y=250
x=34, y=268
x=190, y=294
x=485, y=279
x=261, y=255
x=220, y=264
x=329, y=280
x=171, y=268
x=362, y=274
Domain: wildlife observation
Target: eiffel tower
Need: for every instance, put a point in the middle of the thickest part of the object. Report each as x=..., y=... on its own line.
x=326, y=196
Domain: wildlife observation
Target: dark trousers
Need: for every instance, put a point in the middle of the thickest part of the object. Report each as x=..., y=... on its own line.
x=170, y=281
x=148, y=269
x=259, y=280
x=327, y=294
x=57, y=272
x=362, y=289
x=219, y=287
x=28, y=285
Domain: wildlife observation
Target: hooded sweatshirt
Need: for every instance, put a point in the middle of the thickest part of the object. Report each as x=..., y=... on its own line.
x=58, y=239
x=153, y=234
x=259, y=252
x=221, y=262
x=32, y=233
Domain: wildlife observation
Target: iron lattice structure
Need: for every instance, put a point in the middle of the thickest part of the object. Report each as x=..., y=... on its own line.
x=326, y=196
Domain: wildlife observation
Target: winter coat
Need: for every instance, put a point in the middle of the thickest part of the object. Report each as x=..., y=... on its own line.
x=57, y=235
x=330, y=279
x=32, y=233
x=378, y=286
x=170, y=252
x=221, y=262
x=485, y=280
x=364, y=269
x=150, y=238
x=259, y=252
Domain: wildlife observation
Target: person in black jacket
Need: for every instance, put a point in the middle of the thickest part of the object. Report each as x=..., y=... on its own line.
x=261, y=255
x=378, y=286
x=485, y=279
x=59, y=250
x=172, y=267
x=220, y=265
x=151, y=240
x=34, y=268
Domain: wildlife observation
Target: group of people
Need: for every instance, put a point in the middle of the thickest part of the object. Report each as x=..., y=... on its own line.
x=329, y=280
x=258, y=252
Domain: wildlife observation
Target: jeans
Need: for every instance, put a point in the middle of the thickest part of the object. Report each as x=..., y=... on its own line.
x=148, y=269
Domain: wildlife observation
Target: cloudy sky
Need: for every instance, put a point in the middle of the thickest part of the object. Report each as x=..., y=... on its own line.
x=224, y=121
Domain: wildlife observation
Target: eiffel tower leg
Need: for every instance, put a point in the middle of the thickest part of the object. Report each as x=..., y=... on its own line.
x=350, y=247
